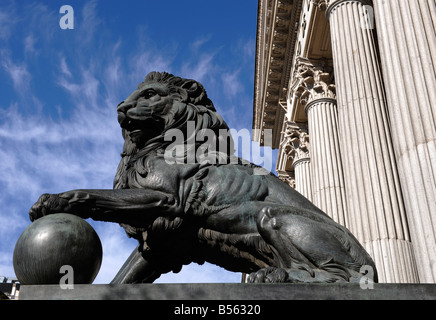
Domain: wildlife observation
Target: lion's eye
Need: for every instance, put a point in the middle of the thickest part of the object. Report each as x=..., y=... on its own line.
x=149, y=93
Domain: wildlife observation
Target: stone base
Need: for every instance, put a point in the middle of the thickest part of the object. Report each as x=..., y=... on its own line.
x=230, y=291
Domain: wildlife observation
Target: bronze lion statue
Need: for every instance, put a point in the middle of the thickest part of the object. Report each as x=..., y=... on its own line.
x=223, y=212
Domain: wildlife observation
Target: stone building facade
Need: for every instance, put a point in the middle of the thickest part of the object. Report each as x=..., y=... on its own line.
x=348, y=88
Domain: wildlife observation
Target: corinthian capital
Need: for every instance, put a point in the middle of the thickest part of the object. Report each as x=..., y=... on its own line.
x=313, y=79
x=296, y=139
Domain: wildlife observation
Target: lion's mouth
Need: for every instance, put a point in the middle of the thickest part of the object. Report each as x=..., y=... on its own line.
x=141, y=131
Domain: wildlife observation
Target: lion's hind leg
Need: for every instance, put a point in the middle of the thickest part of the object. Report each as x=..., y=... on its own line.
x=308, y=247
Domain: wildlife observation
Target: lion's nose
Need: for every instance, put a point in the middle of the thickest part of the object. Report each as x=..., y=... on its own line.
x=122, y=110
x=123, y=107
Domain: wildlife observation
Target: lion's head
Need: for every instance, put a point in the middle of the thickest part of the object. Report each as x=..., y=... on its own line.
x=161, y=103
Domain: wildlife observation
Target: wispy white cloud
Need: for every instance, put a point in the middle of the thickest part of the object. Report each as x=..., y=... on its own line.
x=18, y=73
x=248, y=48
x=29, y=44
x=232, y=83
x=146, y=61
x=8, y=19
x=65, y=70
x=89, y=22
x=114, y=73
x=197, y=44
x=199, y=69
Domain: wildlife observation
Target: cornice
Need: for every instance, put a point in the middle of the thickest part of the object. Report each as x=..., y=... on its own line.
x=276, y=37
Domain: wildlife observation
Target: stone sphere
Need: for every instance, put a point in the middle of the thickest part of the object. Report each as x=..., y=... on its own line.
x=52, y=242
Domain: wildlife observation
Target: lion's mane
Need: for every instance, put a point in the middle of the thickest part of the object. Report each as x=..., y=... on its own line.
x=195, y=107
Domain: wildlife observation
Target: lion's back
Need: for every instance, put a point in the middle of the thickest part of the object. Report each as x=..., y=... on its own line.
x=233, y=184
x=240, y=183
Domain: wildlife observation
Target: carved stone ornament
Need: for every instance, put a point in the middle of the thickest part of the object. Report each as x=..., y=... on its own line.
x=225, y=213
x=297, y=145
x=313, y=80
x=287, y=178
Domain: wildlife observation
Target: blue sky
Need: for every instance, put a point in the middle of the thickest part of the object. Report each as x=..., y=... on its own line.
x=59, y=90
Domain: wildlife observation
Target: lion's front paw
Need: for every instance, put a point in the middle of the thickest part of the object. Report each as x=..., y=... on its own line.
x=268, y=275
x=47, y=204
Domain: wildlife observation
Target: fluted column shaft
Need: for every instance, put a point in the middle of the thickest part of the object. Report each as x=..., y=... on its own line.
x=328, y=187
x=375, y=204
x=407, y=40
x=302, y=177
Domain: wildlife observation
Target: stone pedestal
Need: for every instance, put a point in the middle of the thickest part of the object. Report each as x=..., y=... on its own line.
x=375, y=205
x=407, y=39
x=225, y=292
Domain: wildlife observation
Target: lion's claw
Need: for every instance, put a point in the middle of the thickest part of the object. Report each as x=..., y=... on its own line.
x=47, y=204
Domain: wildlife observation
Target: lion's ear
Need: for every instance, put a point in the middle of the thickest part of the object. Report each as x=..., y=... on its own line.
x=189, y=91
x=191, y=86
x=193, y=92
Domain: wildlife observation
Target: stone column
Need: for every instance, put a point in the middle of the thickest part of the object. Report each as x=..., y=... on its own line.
x=297, y=149
x=375, y=203
x=318, y=93
x=407, y=40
